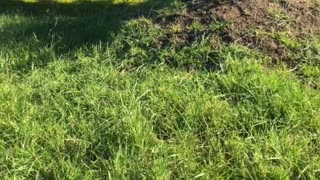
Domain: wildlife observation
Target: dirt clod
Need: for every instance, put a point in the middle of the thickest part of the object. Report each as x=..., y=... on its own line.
x=227, y=13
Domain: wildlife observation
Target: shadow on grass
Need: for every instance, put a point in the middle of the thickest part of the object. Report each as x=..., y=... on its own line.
x=69, y=26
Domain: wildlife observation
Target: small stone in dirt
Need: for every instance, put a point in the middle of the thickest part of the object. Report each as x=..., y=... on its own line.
x=273, y=45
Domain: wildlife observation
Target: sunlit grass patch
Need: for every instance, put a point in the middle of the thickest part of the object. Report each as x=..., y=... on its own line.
x=104, y=94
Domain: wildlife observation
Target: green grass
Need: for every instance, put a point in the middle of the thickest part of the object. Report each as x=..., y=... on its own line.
x=81, y=101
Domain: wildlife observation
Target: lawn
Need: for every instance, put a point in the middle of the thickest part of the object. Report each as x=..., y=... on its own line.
x=156, y=90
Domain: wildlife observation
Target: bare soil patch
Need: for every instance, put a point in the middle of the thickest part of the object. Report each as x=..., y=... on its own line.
x=272, y=26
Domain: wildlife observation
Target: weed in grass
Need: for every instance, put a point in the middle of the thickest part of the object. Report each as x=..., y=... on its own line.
x=290, y=43
x=176, y=28
x=218, y=26
x=176, y=6
x=280, y=18
x=196, y=26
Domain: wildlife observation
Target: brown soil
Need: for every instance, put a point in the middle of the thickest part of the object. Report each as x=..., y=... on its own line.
x=252, y=23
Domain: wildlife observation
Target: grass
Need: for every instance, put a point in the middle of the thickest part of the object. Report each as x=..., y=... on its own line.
x=81, y=101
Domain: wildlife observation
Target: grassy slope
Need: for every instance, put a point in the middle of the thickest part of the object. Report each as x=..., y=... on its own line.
x=75, y=109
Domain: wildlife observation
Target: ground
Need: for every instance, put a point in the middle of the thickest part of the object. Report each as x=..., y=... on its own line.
x=181, y=89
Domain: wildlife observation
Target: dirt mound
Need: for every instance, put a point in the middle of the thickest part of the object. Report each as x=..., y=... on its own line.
x=272, y=26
